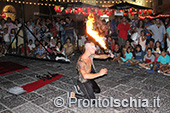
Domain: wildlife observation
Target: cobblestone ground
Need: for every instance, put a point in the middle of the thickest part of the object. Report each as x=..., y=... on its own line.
x=122, y=82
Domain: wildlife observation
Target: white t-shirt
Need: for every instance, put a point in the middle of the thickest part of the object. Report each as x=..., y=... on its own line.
x=6, y=38
x=31, y=46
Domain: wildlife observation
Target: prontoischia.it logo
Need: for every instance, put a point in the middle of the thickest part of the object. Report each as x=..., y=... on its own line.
x=106, y=102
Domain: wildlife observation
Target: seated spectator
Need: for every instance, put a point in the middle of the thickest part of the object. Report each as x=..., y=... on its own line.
x=150, y=45
x=139, y=54
x=27, y=50
x=31, y=46
x=142, y=40
x=41, y=53
x=117, y=53
x=158, y=47
x=68, y=48
x=128, y=57
x=3, y=48
x=113, y=44
x=156, y=54
x=59, y=50
x=162, y=62
x=148, y=59
x=36, y=44
x=109, y=41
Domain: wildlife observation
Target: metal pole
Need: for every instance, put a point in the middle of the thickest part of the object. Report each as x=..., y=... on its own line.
x=23, y=28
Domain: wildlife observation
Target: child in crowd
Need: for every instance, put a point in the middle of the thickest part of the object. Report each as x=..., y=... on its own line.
x=156, y=54
x=139, y=54
x=150, y=45
x=40, y=53
x=162, y=62
x=148, y=60
x=3, y=48
x=142, y=40
x=158, y=47
x=113, y=44
x=128, y=57
x=68, y=48
x=117, y=53
x=109, y=41
x=6, y=37
x=31, y=45
x=27, y=50
x=12, y=36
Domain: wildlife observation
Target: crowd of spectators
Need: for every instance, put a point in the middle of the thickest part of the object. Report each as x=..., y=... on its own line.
x=143, y=42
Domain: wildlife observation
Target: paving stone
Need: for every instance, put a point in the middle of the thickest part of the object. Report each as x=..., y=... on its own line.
x=15, y=77
x=45, y=89
x=31, y=96
x=29, y=108
x=134, y=91
x=65, y=111
x=54, y=94
x=7, y=84
x=122, y=88
x=6, y=111
x=150, y=88
x=40, y=101
x=50, y=107
x=12, y=101
x=24, y=81
x=107, y=83
x=2, y=108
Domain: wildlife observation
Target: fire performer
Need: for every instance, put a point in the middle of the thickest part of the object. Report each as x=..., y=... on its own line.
x=86, y=83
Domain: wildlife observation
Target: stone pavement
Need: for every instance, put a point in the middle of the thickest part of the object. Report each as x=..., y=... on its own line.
x=122, y=82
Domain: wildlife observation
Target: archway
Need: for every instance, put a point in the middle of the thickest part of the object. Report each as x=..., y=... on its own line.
x=9, y=11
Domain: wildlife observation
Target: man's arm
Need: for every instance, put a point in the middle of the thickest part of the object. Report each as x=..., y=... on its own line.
x=87, y=75
x=104, y=56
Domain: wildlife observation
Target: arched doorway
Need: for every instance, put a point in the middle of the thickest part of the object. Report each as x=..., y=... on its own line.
x=9, y=11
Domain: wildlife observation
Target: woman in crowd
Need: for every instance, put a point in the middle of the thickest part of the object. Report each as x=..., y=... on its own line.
x=142, y=40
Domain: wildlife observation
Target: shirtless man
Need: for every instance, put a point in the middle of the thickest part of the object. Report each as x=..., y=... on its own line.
x=86, y=83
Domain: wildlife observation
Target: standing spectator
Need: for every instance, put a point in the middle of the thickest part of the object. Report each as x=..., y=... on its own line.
x=113, y=26
x=158, y=32
x=29, y=35
x=11, y=37
x=123, y=28
x=6, y=37
x=140, y=26
x=9, y=25
x=3, y=48
x=69, y=27
x=53, y=29
x=168, y=38
x=147, y=24
x=62, y=31
x=17, y=25
x=142, y=40
x=166, y=23
x=134, y=22
x=2, y=26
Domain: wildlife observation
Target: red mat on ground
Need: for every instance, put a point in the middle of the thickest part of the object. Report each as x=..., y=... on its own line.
x=40, y=83
x=9, y=67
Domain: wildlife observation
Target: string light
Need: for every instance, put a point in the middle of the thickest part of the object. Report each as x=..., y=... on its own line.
x=34, y=3
x=96, y=1
x=112, y=1
x=63, y=0
x=30, y=2
x=100, y=1
x=19, y=2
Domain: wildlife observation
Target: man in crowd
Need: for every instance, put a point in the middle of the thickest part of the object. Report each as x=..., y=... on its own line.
x=158, y=32
x=69, y=27
x=123, y=28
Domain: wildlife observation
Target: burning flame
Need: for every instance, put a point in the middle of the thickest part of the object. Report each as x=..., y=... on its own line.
x=94, y=34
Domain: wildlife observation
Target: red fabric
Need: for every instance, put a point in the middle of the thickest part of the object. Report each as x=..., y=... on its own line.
x=28, y=49
x=123, y=30
x=112, y=46
x=9, y=67
x=156, y=58
x=40, y=83
x=147, y=60
x=53, y=31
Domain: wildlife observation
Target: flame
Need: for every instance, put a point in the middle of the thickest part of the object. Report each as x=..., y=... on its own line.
x=94, y=34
